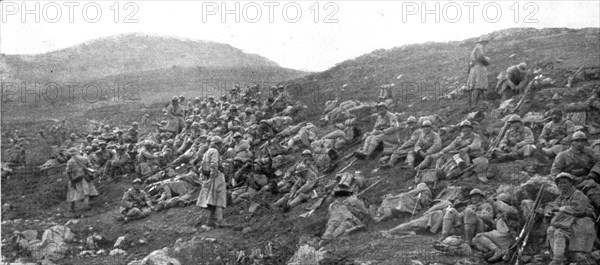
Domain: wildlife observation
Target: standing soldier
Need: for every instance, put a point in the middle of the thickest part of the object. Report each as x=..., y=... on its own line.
x=78, y=172
x=174, y=116
x=478, y=80
x=213, y=193
x=384, y=131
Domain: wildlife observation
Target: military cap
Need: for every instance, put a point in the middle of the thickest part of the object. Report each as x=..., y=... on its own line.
x=466, y=123
x=174, y=98
x=564, y=175
x=514, y=118
x=72, y=151
x=88, y=148
x=301, y=168
x=89, y=136
x=216, y=139
x=579, y=136
x=137, y=180
x=135, y=123
x=411, y=119
x=426, y=123
x=476, y=191
x=237, y=134
x=307, y=152
x=381, y=105
x=101, y=143
x=106, y=127
x=189, y=121
x=195, y=125
x=522, y=66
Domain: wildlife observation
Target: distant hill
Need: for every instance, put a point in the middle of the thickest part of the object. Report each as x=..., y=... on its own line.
x=436, y=68
x=129, y=53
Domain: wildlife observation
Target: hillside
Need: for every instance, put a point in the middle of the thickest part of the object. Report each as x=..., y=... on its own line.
x=128, y=53
x=420, y=70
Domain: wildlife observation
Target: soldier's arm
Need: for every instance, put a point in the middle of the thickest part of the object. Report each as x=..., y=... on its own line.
x=437, y=145
x=452, y=145
x=558, y=165
x=504, y=142
x=570, y=127
x=577, y=207
x=393, y=125
x=418, y=145
x=486, y=212
x=544, y=134
x=528, y=138
x=126, y=200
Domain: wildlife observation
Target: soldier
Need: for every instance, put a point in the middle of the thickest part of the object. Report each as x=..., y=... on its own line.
x=146, y=160
x=107, y=135
x=476, y=218
x=412, y=136
x=554, y=136
x=429, y=143
x=120, y=164
x=591, y=109
x=135, y=203
x=384, y=132
x=103, y=154
x=581, y=162
x=572, y=226
x=282, y=100
x=305, y=183
x=512, y=81
x=306, y=135
x=477, y=82
x=17, y=156
x=80, y=187
x=175, y=116
x=517, y=142
x=213, y=193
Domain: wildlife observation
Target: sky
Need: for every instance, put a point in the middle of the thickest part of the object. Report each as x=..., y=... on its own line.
x=303, y=35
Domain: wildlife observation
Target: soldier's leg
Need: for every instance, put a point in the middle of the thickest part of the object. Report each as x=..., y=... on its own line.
x=449, y=222
x=426, y=163
x=373, y=143
x=282, y=201
x=133, y=213
x=394, y=157
x=592, y=191
x=410, y=159
x=527, y=150
x=86, y=203
x=331, y=226
x=471, y=224
x=558, y=245
x=300, y=198
x=218, y=213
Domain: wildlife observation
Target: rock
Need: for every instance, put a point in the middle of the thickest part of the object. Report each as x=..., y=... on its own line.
x=253, y=207
x=306, y=254
x=160, y=257
x=53, y=245
x=596, y=255
x=72, y=221
x=101, y=252
x=117, y=251
x=120, y=242
x=415, y=262
x=247, y=230
x=135, y=262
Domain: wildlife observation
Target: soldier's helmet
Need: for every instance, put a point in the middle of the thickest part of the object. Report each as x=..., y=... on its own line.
x=579, y=136
x=476, y=191
x=466, y=123
x=301, y=168
x=411, y=119
x=565, y=176
x=514, y=118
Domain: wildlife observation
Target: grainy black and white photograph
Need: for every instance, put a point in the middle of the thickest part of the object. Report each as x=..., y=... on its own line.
x=307, y=132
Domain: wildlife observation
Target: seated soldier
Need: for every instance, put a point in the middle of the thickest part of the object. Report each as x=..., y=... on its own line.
x=554, y=136
x=429, y=143
x=384, y=132
x=120, y=164
x=305, y=183
x=407, y=202
x=146, y=160
x=572, y=226
x=581, y=162
x=517, y=142
x=413, y=132
x=248, y=183
x=476, y=218
x=135, y=203
x=496, y=243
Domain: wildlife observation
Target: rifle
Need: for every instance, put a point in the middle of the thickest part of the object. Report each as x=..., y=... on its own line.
x=516, y=250
x=525, y=94
x=497, y=140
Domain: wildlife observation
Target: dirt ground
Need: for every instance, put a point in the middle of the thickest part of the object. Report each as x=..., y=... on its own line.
x=37, y=202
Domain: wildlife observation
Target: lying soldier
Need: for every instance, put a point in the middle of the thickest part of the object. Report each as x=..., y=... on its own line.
x=384, y=132
x=305, y=135
x=178, y=191
x=407, y=202
x=517, y=142
x=572, y=226
x=347, y=212
x=135, y=203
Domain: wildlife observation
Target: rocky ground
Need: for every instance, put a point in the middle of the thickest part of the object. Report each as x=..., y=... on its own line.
x=35, y=201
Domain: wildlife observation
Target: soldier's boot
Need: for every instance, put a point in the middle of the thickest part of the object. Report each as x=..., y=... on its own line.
x=86, y=203
x=469, y=232
x=393, y=160
x=558, y=251
x=496, y=252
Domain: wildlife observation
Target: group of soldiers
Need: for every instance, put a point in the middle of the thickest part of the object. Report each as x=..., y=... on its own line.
x=575, y=167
